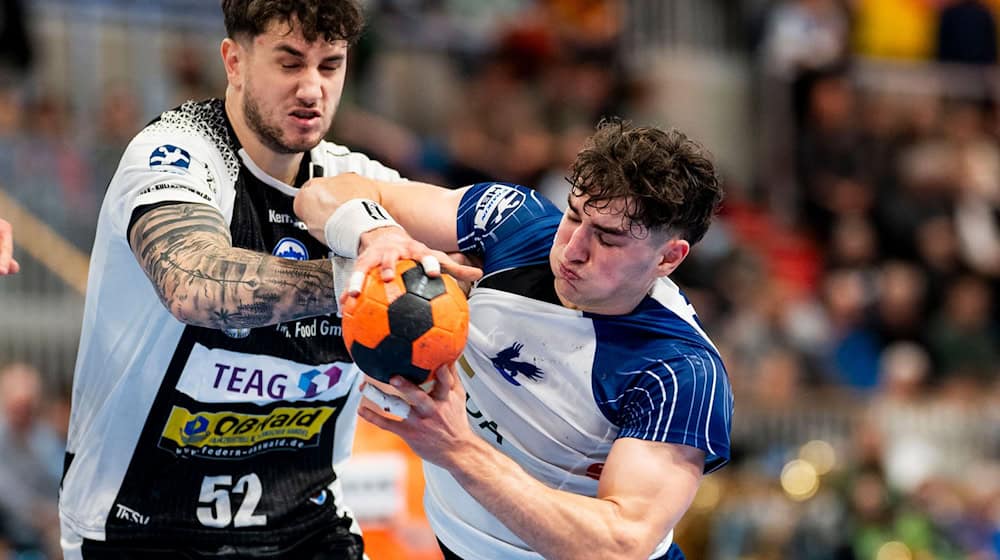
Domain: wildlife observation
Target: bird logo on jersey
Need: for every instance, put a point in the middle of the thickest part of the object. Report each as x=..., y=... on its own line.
x=509, y=368
x=170, y=158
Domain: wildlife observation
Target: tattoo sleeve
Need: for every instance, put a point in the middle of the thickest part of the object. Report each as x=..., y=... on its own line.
x=186, y=250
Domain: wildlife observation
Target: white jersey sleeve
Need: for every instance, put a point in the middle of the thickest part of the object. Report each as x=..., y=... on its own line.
x=173, y=160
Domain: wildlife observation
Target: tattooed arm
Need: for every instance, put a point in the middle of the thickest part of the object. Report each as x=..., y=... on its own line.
x=186, y=251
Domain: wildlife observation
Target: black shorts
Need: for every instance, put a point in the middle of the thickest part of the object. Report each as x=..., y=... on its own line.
x=673, y=553
x=330, y=543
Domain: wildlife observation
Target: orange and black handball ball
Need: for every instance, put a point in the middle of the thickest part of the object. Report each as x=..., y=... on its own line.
x=410, y=326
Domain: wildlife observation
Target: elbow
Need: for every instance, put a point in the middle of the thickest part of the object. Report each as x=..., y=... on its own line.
x=185, y=309
x=616, y=551
x=629, y=547
x=615, y=545
x=180, y=308
x=630, y=543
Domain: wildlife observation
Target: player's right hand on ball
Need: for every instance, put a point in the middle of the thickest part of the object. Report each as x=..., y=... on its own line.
x=384, y=247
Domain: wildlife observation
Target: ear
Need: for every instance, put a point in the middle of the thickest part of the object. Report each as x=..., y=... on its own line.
x=233, y=59
x=672, y=254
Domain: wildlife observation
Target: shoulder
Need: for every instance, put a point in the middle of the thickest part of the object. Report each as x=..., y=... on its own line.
x=506, y=224
x=665, y=318
x=187, y=154
x=652, y=359
x=678, y=393
x=493, y=203
x=193, y=131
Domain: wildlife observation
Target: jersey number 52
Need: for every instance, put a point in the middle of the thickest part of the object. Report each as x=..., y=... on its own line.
x=216, y=492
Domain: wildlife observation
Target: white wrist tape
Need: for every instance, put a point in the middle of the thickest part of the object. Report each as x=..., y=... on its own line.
x=344, y=227
x=388, y=403
x=343, y=267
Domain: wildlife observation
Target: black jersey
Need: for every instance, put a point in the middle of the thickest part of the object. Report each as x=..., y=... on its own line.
x=187, y=434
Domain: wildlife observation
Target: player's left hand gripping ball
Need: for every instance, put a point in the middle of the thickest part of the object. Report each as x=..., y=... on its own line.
x=410, y=327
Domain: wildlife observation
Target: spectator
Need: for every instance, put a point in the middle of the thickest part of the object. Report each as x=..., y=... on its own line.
x=967, y=33
x=16, y=52
x=963, y=337
x=32, y=463
x=118, y=122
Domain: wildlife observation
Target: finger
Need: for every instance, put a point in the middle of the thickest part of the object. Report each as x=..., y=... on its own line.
x=389, y=260
x=421, y=403
x=6, y=249
x=460, y=271
x=355, y=283
x=14, y=267
x=379, y=421
x=443, y=383
x=388, y=403
x=431, y=264
x=455, y=381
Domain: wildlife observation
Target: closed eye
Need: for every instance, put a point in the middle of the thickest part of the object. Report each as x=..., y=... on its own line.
x=603, y=240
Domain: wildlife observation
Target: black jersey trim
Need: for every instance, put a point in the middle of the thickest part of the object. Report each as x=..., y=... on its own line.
x=534, y=282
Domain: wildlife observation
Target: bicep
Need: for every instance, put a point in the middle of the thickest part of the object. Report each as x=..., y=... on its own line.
x=172, y=241
x=428, y=212
x=652, y=483
x=158, y=232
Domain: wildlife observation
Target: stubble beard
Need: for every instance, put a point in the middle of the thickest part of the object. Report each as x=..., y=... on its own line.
x=270, y=136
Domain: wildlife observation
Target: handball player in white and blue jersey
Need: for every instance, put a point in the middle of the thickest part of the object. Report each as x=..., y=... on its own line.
x=589, y=402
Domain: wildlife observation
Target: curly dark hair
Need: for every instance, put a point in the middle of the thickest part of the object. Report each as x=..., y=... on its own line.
x=333, y=20
x=667, y=180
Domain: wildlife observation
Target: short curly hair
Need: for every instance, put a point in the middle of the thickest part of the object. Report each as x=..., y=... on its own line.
x=333, y=20
x=667, y=180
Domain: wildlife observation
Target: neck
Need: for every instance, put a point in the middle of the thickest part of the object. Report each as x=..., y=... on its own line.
x=283, y=167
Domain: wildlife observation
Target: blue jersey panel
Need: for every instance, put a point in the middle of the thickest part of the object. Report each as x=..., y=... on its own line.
x=506, y=225
x=658, y=379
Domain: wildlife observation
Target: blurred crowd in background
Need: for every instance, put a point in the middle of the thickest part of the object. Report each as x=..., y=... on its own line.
x=852, y=281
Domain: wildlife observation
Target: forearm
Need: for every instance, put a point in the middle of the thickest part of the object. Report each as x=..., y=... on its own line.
x=427, y=212
x=206, y=282
x=237, y=288
x=554, y=523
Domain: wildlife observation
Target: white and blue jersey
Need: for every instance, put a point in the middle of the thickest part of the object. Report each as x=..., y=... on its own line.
x=552, y=387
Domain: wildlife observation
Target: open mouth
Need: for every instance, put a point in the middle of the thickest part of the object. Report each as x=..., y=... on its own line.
x=305, y=116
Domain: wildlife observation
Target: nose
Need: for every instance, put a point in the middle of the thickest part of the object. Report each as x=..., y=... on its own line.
x=310, y=88
x=577, y=249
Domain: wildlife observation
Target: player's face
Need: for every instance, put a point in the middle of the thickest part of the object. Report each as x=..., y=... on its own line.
x=600, y=265
x=291, y=88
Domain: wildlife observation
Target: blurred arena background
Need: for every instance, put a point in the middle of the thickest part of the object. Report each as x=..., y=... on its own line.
x=851, y=280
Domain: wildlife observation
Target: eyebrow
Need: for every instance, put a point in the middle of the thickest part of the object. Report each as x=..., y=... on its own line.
x=288, y=49
x=603, y=229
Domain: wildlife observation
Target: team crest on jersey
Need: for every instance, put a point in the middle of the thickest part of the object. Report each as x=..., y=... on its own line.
x=291, y=248
x=506, y=364
x=171, y=159
x=498, y=203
